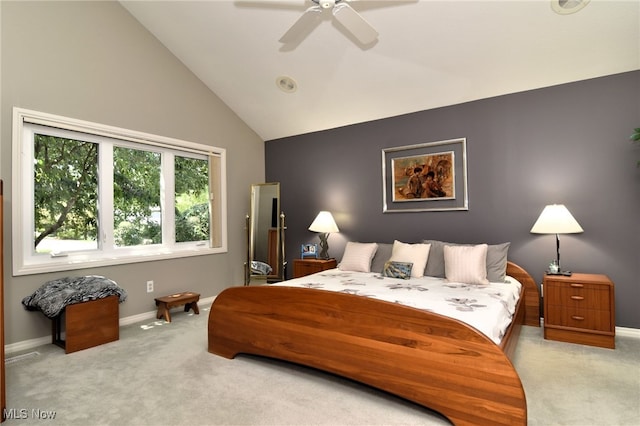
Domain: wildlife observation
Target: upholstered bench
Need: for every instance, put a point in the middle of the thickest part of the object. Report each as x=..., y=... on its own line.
x=83, y=310
x=188, y=299
x=86, y=324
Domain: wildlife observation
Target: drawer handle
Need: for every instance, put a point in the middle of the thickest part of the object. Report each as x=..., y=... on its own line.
x=577, y=297
x=577, y=318
x=576, y=285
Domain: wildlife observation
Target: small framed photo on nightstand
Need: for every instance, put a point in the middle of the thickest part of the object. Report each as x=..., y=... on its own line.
x=309, y=251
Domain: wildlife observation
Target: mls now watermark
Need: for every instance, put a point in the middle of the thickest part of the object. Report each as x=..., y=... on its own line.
x=24, y=413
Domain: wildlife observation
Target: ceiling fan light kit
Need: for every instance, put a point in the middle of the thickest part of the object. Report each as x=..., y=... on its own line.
x=566, y=7
x=326, y=4
x=351, y=20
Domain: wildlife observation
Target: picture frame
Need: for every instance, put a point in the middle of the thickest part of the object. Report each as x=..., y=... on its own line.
x=309, y=251
x=429, y=176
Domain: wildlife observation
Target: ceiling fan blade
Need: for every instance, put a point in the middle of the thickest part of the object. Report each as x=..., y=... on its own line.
x=355, y=23
x=303, y=26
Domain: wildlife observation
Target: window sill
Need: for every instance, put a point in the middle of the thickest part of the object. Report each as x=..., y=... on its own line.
x=58, y=264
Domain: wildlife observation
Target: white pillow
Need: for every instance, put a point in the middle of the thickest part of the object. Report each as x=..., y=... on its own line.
x=411, y=253
x=466, y=264
x=357, y=257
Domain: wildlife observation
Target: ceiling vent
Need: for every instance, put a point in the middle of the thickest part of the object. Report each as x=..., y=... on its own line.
x=565, y=7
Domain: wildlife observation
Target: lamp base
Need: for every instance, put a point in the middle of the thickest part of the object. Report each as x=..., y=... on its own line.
x=324, y=246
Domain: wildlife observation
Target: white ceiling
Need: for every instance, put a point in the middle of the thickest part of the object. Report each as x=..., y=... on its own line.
x=428, y=54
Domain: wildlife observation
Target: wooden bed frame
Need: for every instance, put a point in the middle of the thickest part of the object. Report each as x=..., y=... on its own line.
x=435, y=361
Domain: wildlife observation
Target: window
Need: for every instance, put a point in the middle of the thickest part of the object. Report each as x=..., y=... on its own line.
x=86, y=194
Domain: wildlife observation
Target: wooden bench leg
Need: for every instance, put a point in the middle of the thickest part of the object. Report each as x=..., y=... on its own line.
x=192, y=305
x=163, y=311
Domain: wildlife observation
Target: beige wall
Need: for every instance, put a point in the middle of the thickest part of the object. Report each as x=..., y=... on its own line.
x=93, y=61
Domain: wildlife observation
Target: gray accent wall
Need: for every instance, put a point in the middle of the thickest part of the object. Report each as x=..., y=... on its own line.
x=93, y=61
x=567, y=144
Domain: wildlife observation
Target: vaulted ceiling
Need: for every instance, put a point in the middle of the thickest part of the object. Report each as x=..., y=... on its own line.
x=428, y=54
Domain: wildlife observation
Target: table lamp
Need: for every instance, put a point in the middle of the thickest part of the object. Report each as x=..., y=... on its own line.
x=556, y=219
x=324, y=224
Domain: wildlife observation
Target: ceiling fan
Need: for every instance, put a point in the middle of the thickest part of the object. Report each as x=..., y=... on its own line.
x=351, y=20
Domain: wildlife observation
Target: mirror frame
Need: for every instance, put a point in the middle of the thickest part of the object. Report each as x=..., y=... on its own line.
x=265, y=233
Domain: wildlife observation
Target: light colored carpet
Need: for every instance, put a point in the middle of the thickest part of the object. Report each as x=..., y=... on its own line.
x=161, y=374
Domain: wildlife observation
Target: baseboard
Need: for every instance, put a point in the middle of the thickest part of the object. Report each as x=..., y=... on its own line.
x=39, y=341
x=628, y=332
x=26, y=344
x=152, y=314
x=620, y=331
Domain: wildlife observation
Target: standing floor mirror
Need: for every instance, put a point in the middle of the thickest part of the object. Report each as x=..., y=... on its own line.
x=265, y=235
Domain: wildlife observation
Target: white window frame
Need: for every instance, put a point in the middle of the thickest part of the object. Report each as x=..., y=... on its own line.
x=26, y=262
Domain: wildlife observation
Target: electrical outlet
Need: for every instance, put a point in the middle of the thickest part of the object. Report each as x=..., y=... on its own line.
x=149, y=286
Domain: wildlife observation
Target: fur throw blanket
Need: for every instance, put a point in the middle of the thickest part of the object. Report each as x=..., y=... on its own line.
x=53, y=296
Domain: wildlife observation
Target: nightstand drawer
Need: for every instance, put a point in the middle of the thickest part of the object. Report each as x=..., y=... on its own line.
x=302, y=267
x=576, y=295
x=590, y=319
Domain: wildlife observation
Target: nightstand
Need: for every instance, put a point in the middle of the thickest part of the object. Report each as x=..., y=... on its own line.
x=302, y=267
x=580, y=309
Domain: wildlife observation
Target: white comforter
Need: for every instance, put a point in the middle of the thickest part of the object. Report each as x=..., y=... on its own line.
x=488, y=308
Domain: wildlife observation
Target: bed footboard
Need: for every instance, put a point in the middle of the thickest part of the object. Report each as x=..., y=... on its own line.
x=429, y=359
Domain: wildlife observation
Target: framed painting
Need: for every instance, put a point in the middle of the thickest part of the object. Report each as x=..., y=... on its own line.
x=425, y=177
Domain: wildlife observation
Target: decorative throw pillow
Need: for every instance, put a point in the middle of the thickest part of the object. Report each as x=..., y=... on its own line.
x=496, y=260
x=466, y=264
x=411, y=253
x=357, y=257
x=397, y=270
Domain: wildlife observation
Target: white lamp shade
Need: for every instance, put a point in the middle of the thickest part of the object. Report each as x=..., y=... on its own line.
x=324, y=223
x=556, y=219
